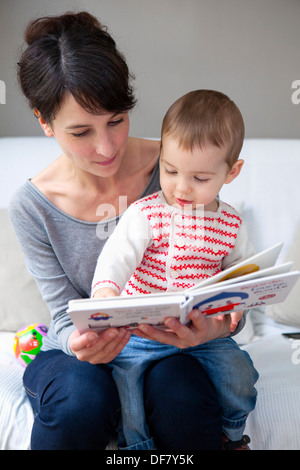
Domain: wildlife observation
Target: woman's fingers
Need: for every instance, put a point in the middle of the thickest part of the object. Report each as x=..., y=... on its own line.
x=105, y=351
x=101, y=347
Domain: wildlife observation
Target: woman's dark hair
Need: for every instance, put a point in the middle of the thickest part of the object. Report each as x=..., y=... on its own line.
x=73, y=53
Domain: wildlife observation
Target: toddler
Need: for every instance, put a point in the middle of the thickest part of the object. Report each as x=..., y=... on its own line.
x=173, y=239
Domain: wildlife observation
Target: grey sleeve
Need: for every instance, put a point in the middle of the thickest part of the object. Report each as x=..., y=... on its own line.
x=43, y=264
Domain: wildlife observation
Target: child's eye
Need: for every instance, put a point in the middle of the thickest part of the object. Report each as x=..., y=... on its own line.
x=201, y=180
x=170, y=172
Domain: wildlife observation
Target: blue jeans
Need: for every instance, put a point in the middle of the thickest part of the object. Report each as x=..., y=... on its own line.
x=77, y=405
x=229, y=368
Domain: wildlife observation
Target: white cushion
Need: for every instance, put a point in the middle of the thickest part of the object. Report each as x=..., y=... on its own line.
x=21, y=159
x=269, y=190
x=288, y=312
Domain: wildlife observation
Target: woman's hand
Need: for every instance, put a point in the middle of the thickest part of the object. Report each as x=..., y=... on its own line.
x=199, y=331
x=98, y=348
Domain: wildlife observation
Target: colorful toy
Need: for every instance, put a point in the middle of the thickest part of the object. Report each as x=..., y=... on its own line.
x=28, y=342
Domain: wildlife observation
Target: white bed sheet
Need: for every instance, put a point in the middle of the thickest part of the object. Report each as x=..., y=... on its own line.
x=16, y=415
x=275, y=422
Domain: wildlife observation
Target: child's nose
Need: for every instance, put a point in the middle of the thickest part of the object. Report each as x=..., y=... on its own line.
x=183, y=185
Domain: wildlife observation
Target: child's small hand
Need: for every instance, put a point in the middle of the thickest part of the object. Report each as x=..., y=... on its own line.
x=105, y=292
x=235, y=318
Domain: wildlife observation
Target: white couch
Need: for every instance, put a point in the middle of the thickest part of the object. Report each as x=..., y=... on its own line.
x=267, y=193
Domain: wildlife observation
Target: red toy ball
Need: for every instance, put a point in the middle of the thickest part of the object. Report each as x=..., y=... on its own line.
x=28, y=342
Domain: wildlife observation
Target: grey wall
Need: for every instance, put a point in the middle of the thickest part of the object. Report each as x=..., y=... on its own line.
x=249, y=49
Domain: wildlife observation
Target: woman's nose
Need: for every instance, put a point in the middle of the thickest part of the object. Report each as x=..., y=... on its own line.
x=104, y=146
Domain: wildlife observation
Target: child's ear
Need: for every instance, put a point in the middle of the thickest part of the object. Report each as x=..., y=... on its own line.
x=235, y=171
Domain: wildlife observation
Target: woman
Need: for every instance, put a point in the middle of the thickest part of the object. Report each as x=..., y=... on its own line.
x=78, y=85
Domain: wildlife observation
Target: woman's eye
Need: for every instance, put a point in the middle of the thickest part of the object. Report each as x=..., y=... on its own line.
x=115, y=123
x=170, y=172
x=80, y=134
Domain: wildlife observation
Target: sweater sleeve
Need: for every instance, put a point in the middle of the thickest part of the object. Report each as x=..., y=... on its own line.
x=43, y=264
x=123, y=251
x=243, y=248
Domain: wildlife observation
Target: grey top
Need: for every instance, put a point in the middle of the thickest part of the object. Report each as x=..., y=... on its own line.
x=60, y=252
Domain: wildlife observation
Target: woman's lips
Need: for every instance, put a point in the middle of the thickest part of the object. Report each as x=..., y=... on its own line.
x=106, y=162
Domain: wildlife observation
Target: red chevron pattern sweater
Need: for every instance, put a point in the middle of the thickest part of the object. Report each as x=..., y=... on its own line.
x=157, y=247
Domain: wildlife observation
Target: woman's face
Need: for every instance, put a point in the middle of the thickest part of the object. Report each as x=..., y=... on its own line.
x=95, y=143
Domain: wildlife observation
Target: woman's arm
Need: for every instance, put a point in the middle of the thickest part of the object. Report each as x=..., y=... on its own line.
x=28, y=220
x=30, y=224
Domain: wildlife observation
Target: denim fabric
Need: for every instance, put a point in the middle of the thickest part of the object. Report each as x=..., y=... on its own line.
x=229, y=368
x=77, y=406
x=181, y=404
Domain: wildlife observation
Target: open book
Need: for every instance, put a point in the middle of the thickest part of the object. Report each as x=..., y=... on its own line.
x=256, y=281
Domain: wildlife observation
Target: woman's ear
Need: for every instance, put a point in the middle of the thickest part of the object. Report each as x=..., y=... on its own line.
x=234, y=172
x=44, y=125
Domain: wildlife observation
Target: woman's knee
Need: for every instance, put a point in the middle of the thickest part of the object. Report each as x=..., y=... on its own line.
x=91, y=392
x=77, y=405
x=181, y=405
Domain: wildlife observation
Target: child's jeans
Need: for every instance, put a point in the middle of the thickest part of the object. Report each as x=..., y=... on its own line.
x=229, y=368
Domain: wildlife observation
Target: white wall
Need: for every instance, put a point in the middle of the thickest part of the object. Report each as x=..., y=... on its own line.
x=248, y=49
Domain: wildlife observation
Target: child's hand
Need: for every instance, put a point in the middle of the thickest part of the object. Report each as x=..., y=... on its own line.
x=235, y=318
x=105, y=292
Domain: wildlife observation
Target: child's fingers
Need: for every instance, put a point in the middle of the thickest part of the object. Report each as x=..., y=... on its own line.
x=235, y=318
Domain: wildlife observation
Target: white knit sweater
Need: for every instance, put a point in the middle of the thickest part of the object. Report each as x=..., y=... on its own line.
x=157, y=247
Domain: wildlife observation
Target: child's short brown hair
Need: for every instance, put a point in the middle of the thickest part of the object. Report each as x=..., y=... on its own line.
x=204, y=117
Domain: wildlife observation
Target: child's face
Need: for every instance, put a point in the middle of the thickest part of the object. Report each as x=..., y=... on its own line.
x=194, y=177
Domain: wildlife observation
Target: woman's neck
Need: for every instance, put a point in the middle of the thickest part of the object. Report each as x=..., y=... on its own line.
x=89, y=197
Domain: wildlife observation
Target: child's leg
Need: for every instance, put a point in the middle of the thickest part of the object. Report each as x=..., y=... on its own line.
x=233, y=375
x=128, y=370
x=134, y=433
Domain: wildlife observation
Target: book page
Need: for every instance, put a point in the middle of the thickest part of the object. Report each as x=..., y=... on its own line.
x=264, y=259
x=219, y=299
x=256, y=274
